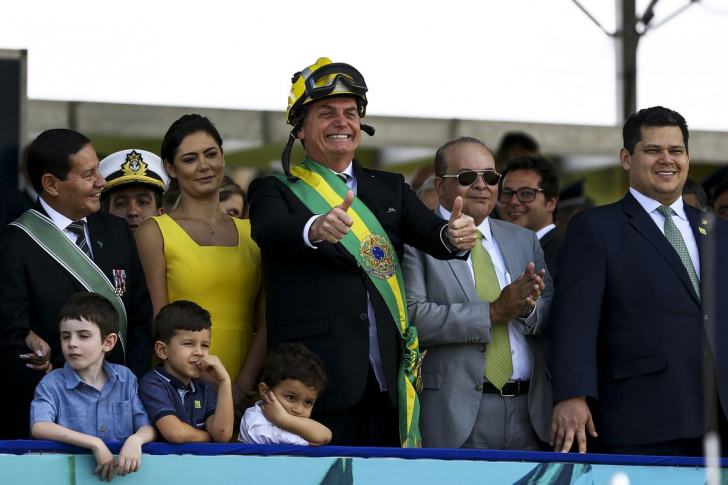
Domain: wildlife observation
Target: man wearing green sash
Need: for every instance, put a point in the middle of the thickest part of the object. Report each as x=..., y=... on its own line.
x=331, y=235
x=62, y=246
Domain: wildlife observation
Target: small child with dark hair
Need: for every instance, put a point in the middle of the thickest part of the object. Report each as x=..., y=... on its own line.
x=183, y=408
x=292, y=381
x=90, y=401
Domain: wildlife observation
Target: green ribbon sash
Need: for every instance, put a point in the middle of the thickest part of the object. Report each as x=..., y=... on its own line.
x=320, y=191
x=52, y=240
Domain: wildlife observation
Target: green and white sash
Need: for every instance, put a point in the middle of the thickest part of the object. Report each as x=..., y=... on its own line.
x=321, y=190
x=51, y=239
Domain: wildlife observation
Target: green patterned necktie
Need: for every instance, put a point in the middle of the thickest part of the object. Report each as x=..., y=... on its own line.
x=498, y=361
x=672, y=233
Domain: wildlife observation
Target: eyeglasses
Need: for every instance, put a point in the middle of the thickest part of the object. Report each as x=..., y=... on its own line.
x=524, y=194
x=469, y=177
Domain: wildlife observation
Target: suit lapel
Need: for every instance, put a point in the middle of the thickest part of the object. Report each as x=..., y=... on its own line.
x=79, y=287
x=507, y=249
x=549, y=237
x=101, y=254
x=462, y=273
x=643, y=223
x=367, y=186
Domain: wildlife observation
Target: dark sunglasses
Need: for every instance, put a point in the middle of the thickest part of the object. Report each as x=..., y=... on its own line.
x=524, y=194
x=469, y=177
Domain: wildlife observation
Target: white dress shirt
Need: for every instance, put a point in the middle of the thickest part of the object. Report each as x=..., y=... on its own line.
x=522, y=360
x=678, y=217
x=62, y=223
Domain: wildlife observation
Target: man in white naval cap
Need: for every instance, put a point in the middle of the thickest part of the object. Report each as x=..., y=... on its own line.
x=135, y=181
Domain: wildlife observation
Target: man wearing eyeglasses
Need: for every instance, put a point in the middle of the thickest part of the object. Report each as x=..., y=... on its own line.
x=481, y=320
x=528, y=195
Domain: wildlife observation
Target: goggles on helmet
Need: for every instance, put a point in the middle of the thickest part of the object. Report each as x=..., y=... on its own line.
x=320, y=83
x=328, y=80
x=316, y=82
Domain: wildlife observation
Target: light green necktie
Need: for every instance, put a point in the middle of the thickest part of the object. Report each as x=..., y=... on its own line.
x=672, y=233
x=498, y=361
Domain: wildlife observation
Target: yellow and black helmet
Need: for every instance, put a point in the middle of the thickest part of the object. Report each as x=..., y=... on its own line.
x=322, y=80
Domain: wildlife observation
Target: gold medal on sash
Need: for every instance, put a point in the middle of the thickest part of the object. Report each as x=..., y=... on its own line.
x=377, y=257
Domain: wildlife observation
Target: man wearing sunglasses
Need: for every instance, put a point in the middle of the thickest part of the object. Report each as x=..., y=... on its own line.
x=529, y=192
x=639, y=319
x=481, y=320
x=331, y=235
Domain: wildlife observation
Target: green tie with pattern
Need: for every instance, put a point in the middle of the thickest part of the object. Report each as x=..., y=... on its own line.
x=672, y=233
x=498, y=361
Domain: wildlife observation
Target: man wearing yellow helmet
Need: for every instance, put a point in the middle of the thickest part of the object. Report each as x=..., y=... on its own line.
x=331, y=235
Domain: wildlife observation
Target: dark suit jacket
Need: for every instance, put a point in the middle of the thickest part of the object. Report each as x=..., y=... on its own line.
x=551, y=243
x=628, y=329
x=319, y=296
x=12, y=203
x=34, y=287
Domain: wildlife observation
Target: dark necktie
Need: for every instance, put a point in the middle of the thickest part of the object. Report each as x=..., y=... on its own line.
x=76, y=227
x=498, y=360
x=344, y=177
x=673, y=234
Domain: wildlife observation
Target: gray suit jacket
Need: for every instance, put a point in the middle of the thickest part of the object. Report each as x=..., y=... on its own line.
x=454, y=326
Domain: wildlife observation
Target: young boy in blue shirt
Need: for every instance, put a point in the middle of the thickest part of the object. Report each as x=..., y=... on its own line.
x=182, y=407
x=292, y=381
x=89, y=401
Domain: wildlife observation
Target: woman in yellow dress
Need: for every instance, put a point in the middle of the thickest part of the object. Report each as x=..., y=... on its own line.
x=198, y=253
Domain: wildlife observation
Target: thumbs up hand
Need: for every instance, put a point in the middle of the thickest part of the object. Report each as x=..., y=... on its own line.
x=335, y=224
x=461, y=228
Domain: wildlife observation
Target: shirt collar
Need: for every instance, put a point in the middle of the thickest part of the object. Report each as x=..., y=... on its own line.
x=651, y=205
x=176, y=383
x=58, y=219
x=544, y=230
x=73, y=380
x=349, y=170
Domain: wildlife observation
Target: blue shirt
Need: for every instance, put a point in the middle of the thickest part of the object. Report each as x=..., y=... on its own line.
x=164, y=395
x=112, y=414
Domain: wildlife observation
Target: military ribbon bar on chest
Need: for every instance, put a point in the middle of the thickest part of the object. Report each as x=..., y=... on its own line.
x=119, y=281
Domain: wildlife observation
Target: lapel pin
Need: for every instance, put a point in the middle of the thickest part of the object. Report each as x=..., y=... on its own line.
x=702, y=231
x=704, y=222
x=101, y=245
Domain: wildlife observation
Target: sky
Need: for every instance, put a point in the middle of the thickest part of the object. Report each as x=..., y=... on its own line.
x=516, y=60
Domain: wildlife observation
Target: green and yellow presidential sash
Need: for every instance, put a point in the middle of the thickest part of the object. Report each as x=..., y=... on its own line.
x=51, y=239
x=321, y=190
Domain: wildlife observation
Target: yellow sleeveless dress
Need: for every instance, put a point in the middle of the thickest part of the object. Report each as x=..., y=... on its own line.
x=222, y=280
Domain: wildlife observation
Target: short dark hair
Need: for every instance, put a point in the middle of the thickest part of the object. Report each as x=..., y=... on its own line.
x=183, y=127
x=546, y=171
x=441, y=163
x=51, y=153
x=106, y=195
x=228, y=188
x=657, y=116
x=514, y=139
x=94, y=308
x=180, y=315
x=722, y=187
x=693, y=187
x=295, y=361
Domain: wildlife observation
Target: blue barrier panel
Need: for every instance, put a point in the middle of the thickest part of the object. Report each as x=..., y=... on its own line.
x=44, y=462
